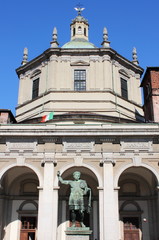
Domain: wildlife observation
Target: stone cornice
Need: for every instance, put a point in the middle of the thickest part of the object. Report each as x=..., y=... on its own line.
x=94, y=51
x=48, y=130
x=72, y=91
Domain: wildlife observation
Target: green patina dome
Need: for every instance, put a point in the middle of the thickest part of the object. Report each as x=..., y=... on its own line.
x=78, y=43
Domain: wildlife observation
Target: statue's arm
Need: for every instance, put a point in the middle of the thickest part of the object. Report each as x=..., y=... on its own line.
x=61, y=179
x=88, y=190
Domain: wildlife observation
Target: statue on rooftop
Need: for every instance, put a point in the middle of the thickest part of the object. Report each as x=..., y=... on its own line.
x=79, y=189
x=79, y=9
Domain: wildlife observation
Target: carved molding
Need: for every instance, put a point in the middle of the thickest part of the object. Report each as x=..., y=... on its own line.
x=106, y=161
x=48, y=160
x=115, y=63
x=65, y=59
x=106, y=58
x=48, y=140
x=21, y=145
x=78, y=146
x=80, y=63
x=54, y=58
x=109, y=139
x=94, y=58
x=136, y=146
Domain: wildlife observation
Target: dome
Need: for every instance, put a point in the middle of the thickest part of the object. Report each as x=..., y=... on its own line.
x=78, y=43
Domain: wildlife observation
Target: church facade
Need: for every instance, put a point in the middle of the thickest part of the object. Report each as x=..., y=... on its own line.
x=97, y=127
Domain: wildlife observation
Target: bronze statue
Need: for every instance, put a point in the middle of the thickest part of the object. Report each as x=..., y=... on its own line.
x=79, y=188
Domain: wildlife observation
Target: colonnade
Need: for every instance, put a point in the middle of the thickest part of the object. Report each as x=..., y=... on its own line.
x=107, y=221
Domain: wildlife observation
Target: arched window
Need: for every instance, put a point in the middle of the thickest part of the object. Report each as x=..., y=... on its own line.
x=74, y=31
x=28, y=218
x=85, y=32
x=79, y=30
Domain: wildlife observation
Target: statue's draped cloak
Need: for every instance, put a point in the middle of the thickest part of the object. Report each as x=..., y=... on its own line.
x=78, y=190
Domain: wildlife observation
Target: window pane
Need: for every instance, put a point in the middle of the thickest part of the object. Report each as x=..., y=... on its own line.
x=80, y=80
x=28, y=222
x=35, y=91
x=124, y=91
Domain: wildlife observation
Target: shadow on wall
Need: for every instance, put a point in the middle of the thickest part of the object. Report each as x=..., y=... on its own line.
x=18, y=198
x=139, y=117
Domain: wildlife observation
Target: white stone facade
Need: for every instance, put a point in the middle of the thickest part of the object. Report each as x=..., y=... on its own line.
x=124, y=182
x=98, y=130
x=103, y=90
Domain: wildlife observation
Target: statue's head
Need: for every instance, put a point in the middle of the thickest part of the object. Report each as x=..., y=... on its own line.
x=76, y=175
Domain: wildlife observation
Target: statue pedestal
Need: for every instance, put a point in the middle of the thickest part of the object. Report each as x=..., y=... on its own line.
x=78, y=233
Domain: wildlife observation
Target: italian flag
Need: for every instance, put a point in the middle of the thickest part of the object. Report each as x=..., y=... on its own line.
x=47, y=117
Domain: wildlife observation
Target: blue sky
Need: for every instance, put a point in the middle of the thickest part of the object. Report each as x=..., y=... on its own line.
x=30, y=24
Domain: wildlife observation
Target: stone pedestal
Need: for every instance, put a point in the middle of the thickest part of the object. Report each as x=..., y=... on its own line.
x=78, y=233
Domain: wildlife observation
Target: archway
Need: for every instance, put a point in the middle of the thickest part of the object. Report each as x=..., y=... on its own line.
x=138, y=203
x=90, y=220
x=18, y=204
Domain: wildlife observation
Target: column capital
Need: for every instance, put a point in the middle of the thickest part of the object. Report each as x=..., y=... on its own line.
x=106, y=161
x=49, y=160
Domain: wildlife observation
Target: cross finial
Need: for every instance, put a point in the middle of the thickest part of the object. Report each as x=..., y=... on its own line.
x=79, y=9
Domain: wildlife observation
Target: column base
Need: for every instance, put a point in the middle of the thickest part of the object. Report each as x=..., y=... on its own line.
x=78, y=233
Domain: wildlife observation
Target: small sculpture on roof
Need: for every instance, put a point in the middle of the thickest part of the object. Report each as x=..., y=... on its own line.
x=134, y=56
x=79, y=9
x=54, y=43
x=105, y=43
x=25, y=56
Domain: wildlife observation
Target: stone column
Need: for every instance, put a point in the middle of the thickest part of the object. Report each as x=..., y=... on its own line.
x=55, y=212
x=101, y=214
x=95, y=220
x=116, y=199
x=110, y=224
x=47, y=209
x=157, y=212
x=2, y=217
x=63, y=220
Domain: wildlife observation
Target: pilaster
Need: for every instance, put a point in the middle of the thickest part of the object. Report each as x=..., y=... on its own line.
x=110, y=209
x=47, y=208
x=63, y=225
x=2, y=218
x=157, y=220
x=101, y=213
x=95, y=220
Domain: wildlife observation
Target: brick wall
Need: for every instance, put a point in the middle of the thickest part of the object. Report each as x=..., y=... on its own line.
x=154, y=76
x=4, y=118
x=151, y=94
